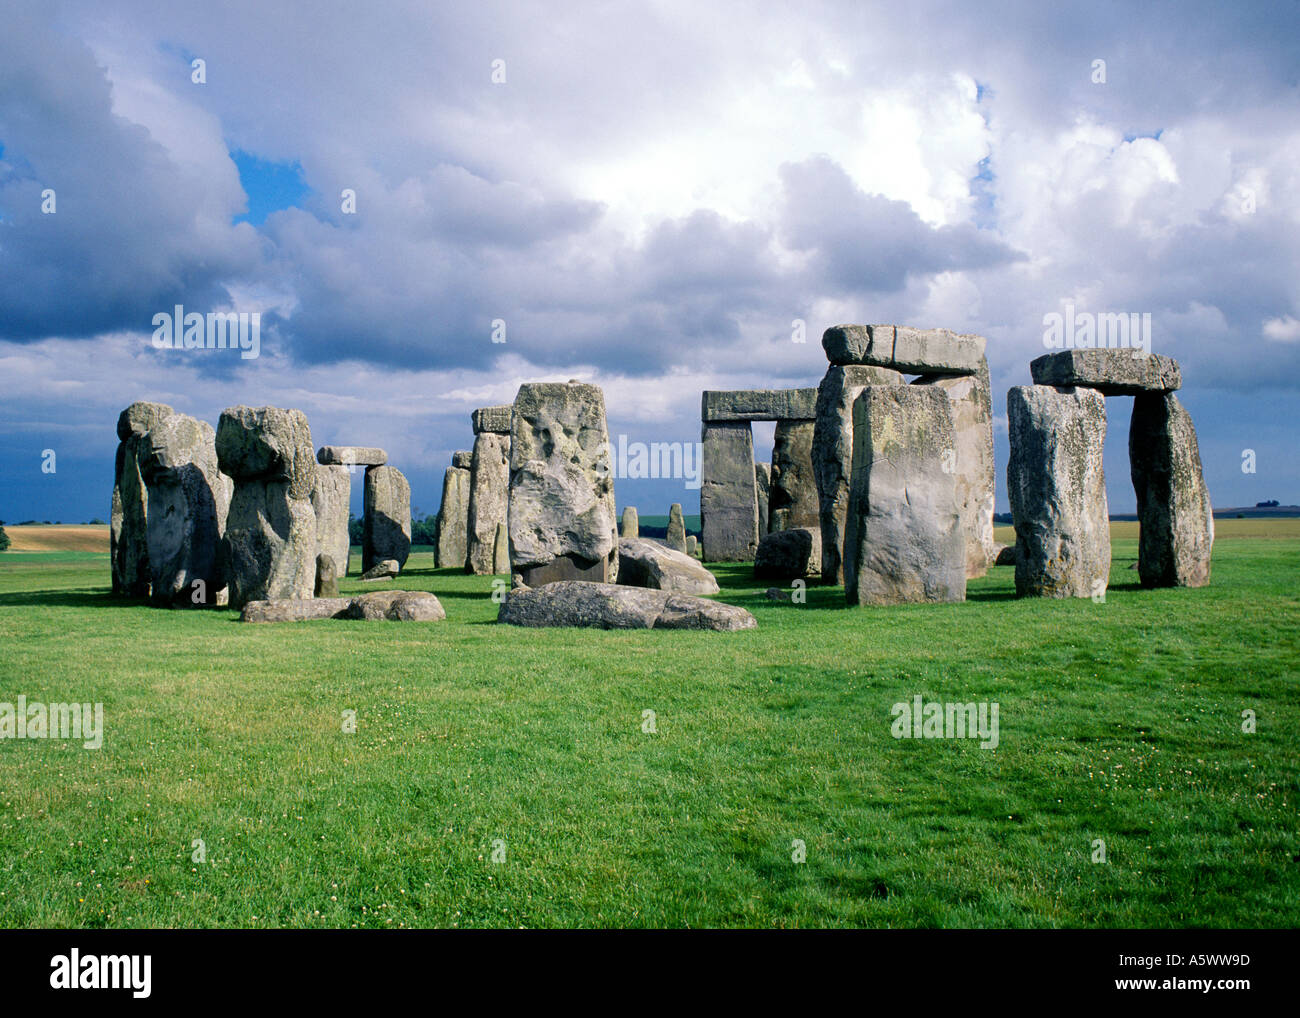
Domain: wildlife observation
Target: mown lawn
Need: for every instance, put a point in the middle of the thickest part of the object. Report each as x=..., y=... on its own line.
x=1119, y=721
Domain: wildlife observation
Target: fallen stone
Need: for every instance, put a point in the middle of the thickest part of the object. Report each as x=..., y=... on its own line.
x=386, y=524
x=903, y=348
x=631, y=524
x=832, y=454
x=776, y=594
x=728, y=495
x=491, y=419
x=489, y=488
x=644, y=563
x=331, y=501
x=295, y=609
x=792, y=498
x=903, y=540
x=350, y=455
x=561, y=514
x=759, y=405
x=1006, y=555
x=676, y=539
x=610, y=606
x=453, y=516
x=385, y=570
x=1057, y=491
x=1177, y=521
x=1111, y=371
x=395, y=606
x=789, y=555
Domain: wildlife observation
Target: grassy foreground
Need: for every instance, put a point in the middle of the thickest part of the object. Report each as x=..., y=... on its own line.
x=1119, y=722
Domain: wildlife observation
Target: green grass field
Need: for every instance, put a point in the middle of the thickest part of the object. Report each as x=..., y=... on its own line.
x=1119, y=721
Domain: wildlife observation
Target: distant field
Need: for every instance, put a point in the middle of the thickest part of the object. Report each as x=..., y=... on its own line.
x=70, y=537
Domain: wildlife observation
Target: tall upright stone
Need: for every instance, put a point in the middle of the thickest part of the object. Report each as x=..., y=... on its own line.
x=331, y=499
x=189, y=498
x=763, y=493
x=630, y=526
x=128, y=527
x=728, y=495
x=1177, y=521
x=792, y=499
x=386, y=526
x=903, y=540
x=489, y=487
x=501, y=550
x=453, y=513
x=561, y=514
x=972, y=461
x=269, y=550
x=1057, y=490
x=832, y=454
x=676, y=539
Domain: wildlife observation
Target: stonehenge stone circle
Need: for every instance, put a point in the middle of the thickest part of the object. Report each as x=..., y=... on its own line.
x=128, y=526
x=386, y=526
x=792, y=493
x=488, y=488
x=1177, y=523
x=350, y=456
x=1057, y=491
x=331, y=500
x=561, y=509
x=269, y=549
x=903, y=348
x=610, y=606
x=762, y=493
x=631, y=524
x=188, y=501
x=1112, y=371
x=903, y=539
x=645, y=563
x=832, y=453
x=676, y=539
x=453, y=513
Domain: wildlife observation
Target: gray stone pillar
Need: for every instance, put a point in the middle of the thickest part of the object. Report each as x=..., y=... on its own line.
x=453, y=513
x=792, y=499
x=728, y=500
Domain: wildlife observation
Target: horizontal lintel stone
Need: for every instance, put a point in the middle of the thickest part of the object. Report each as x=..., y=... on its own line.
x=1112, y=371
x=759, y=405
x=905, y=349
x=493, y=420
x=347, y=455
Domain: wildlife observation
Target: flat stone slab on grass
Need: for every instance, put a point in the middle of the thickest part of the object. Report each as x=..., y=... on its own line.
x=759, y=405
x=295, y=609
x=382, y=605
x=644, y=563
x=1111, y=371
x=384, y=570
x=903, y=348
x=350, y=455
x=610, y=606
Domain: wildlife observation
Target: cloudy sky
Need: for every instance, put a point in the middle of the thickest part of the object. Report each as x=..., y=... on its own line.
x=647, y=195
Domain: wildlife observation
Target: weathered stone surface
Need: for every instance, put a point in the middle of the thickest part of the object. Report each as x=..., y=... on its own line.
x=610, y=606
x=385, y=570
x=676, y=539
x=453, y=517
x=1116, y=371
x=728, y=496
x=1006, y=555
x=905, y=349
x=1057, y=491
x=692, y=545
x=561, y=513
x=792, y=500
x=789, y=554
x=972, y=418
x=350, y=455
x=462, y=459
x=762, y=493
x=903, y=540
x=395, y=606
x=631, y=523
x=645, y=563
x=776, y=594
x=327, y=577
x=128, y=524
x=267, y=444
x=501, y=550
x=1177, y=522
x=386, y=525
x=832, y=453
x=331, y=501
x=489, y=488
x=295, y=609
x=759, y=405
x=491, y=419
x=188, y=500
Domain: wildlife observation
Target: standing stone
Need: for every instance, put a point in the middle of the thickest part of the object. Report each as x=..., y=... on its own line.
x=903, y=541
x=327, y=576
x=128, y=528
x=763, y=493
x=561, y=514
x=501, y=551
x=386, y=528
x=792, y=501
x=189, y=499
x=692, y=545
x=676, y=539
x=1057, y=491
x=269, y=551
x=331, y=500
x=631, y=525
x=1177, y=523
x=832, y=454
x=728, y=494
x=488, y=489
x=972, y=461
x=453, y=513
x=790, y=554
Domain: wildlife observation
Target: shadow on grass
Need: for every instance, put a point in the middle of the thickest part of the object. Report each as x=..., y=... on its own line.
x=65, y=598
